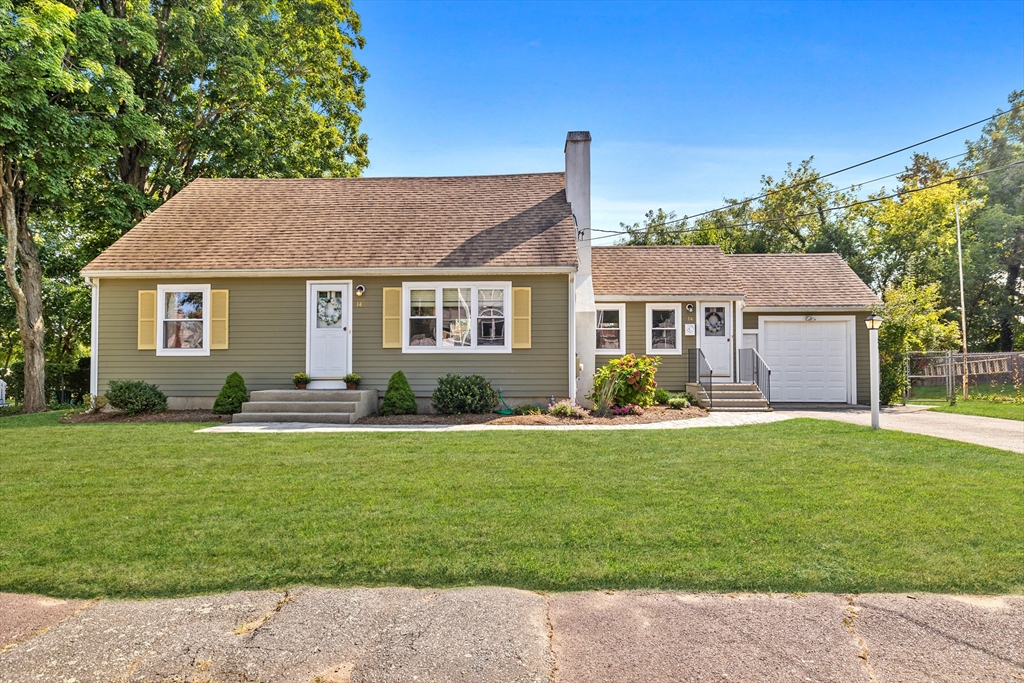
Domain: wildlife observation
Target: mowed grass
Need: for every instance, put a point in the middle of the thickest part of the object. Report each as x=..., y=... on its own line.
x=1005, y=411
x=142, y=510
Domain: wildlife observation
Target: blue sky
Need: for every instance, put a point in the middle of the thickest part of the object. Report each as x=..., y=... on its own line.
x=687, y=102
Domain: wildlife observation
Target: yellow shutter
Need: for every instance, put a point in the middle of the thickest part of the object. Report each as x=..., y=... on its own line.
x=219, y=319
x=392, y=318
x=522, y=320
x=147, y=319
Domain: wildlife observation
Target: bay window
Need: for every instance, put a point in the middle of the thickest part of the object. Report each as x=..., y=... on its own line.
x=456, y=317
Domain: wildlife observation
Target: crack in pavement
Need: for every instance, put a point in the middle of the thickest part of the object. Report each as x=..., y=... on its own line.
x=249, y=629
x=44, y=629
x=850, y=615
x=550, y=634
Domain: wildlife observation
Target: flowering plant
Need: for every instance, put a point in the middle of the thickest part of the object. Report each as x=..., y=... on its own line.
x=632, y=378
x=567, y=408
x=628, y=409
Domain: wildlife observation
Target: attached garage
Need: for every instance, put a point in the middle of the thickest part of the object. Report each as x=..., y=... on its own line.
x=812, y=358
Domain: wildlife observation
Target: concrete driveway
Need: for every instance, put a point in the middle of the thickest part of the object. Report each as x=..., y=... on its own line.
x=505, y=635
x=1007, y=435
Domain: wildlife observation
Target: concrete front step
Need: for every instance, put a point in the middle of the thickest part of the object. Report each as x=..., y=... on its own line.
x=313, y=418
x=740, y=409
x=306, y=395
x=300, y=407
x=318, y=406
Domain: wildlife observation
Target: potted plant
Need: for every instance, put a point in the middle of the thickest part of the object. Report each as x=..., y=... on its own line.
x=300, y=379
x=352, y=380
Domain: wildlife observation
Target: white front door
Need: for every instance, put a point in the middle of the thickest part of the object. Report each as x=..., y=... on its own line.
x=329, y=330
x=715, y=325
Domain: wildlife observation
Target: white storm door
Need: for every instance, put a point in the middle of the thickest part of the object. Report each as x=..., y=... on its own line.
x=329, y=330
x=715, y=325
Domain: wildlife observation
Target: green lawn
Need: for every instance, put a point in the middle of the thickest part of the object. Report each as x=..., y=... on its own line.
x=803, y=505
x=1006, y=411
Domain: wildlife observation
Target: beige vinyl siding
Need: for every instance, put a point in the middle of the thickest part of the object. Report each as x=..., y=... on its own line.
x=751, y=320
x=267, y=328
x=673, y=373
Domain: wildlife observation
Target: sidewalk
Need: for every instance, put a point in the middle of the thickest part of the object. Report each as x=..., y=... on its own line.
x=506, y=635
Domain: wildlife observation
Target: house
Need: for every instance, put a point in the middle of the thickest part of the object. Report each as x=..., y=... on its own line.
x=486, y=274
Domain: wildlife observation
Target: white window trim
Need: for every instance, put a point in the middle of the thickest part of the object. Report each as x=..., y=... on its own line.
x=621, y=308
x=678, y=308
x=161, y=310
x=438, y=313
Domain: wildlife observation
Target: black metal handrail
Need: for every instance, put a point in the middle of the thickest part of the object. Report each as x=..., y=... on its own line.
x=699, y=369
x=754, y=369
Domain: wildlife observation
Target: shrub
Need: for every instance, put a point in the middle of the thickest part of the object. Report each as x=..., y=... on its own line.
x=567, y=408
x=632, y=378
x=630, y=409
x=398, y=397
x=66, y=382
x=661, y=396
x=232, y=396
x=456, y=394
x=678, y=402
x=134, y=397
x=300, y=378
x=351, y=378
x=528, y=409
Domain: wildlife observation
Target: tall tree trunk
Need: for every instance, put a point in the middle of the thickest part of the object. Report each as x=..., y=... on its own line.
x=1006, y=323
x=28, y=293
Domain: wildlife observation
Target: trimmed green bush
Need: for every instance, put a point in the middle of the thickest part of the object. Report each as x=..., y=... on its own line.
x=232, y=396
x=678, y=403
x=661, y=396
x=457, y=394
x=528, y=409
x=398, y=397
x=134, y=396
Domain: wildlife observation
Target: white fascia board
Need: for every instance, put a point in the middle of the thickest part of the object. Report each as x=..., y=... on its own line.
x=617, y=298
x=802, y=309
x=328, y=272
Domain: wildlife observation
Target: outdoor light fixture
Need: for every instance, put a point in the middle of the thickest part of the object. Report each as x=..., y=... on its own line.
x=689, y=308
x=359, y=290
x=873, y=322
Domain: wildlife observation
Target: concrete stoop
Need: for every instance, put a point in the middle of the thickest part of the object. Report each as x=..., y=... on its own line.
x=316, y=406
x=738, y=397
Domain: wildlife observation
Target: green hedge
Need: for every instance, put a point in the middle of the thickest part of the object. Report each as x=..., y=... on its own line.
x=66, y=382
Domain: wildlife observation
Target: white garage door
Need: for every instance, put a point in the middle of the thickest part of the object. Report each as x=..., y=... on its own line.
x=809, y=360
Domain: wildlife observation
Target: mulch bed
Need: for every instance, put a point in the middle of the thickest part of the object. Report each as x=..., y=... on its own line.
x=166, y=416
x=653, y=414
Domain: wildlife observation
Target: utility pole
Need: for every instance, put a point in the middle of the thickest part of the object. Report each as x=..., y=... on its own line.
x=963, y=308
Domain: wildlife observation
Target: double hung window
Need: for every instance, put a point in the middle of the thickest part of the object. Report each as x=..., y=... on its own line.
x=183, y=320
x=663, y=336
x=457, y=317
x=611, y=329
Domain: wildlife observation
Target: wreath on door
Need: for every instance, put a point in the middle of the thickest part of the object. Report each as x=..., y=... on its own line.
x=328, y=311
x=714, y=322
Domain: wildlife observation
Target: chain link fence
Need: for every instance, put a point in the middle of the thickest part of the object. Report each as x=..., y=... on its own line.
x=938, y=376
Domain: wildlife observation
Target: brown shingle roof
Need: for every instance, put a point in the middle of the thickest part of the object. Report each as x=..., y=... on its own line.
x=800, y=280
x=662, y=270
x=794, y=280
x=456, y=222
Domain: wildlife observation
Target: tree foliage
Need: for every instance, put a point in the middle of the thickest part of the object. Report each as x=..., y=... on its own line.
x=909, y=237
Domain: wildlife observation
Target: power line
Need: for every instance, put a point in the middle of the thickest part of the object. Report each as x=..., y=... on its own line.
x=829, y=209
x=842, y=189
x=842, y=170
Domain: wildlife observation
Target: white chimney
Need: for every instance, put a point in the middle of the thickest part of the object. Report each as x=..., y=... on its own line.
x=577, y=192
